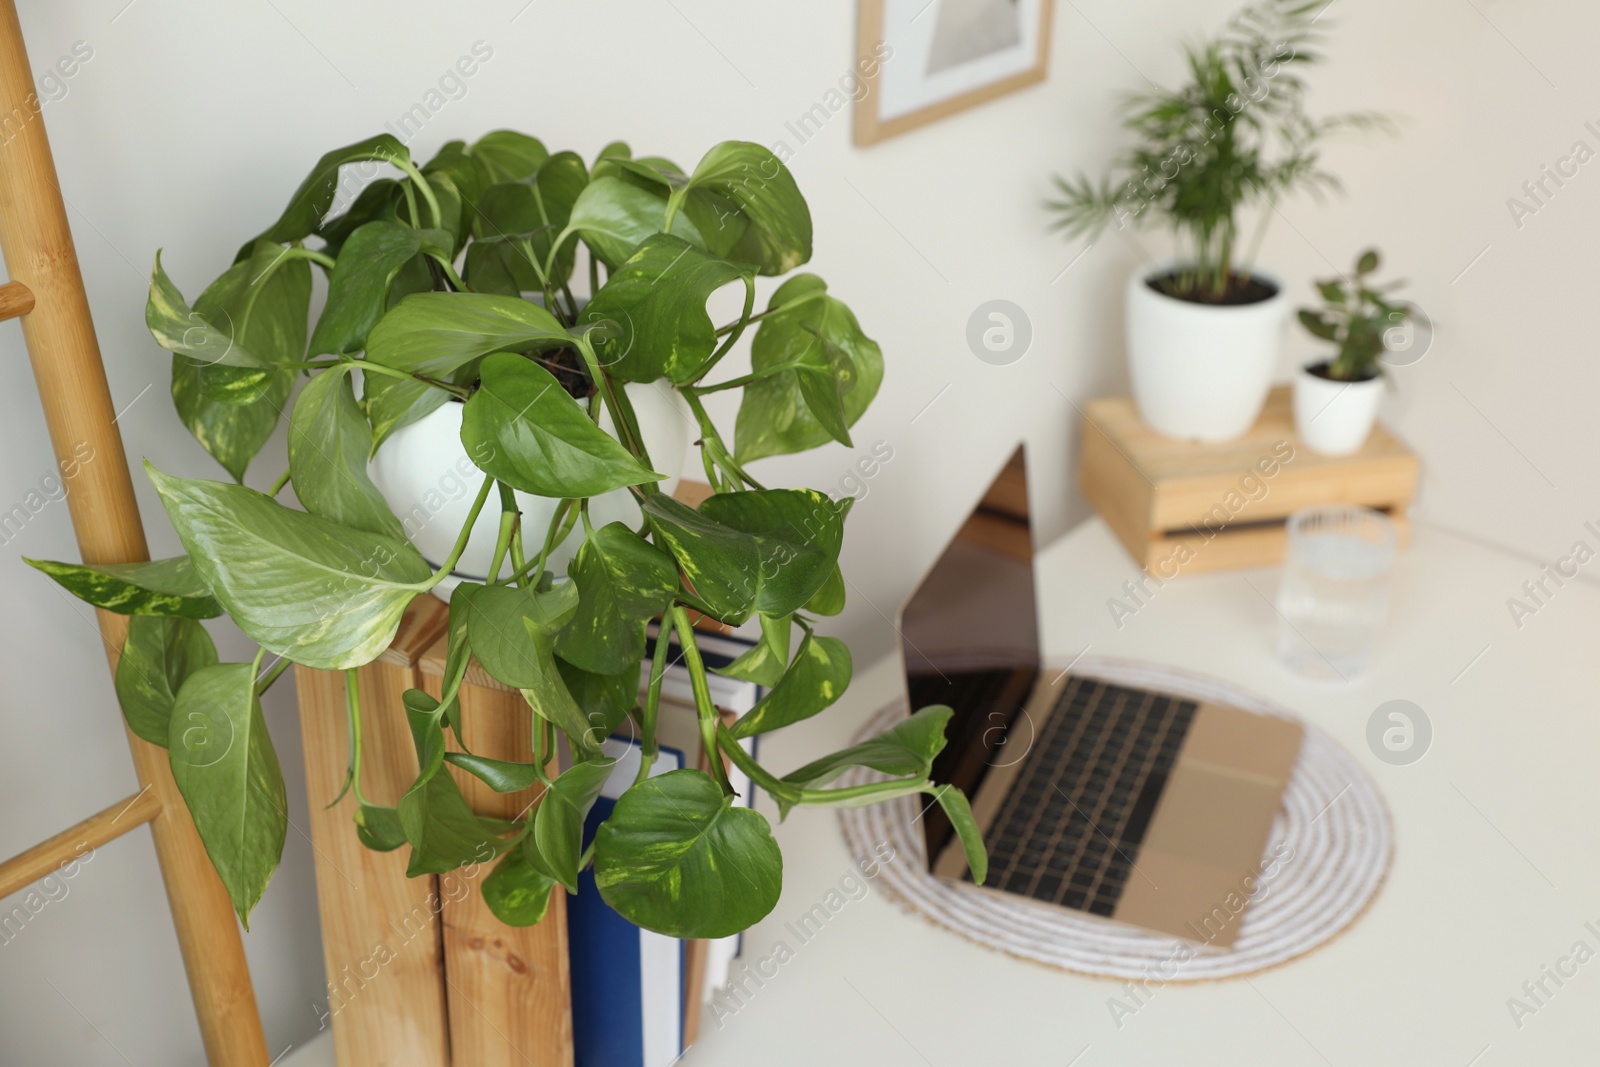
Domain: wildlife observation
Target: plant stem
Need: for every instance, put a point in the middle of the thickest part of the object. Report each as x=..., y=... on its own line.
x=777, y=788
x=859, y=795
x=272, y=674
x=734, y=333
x=652, y=705
x=508, y=522
x=449, y=272
x=789, y=305
x=743, y=380
x=352, y=705
x=422, y=187
x=702, y=695
x=461, y=540
x=314, y=256
x=366, y=365
x=621, y=409
x=277, y=486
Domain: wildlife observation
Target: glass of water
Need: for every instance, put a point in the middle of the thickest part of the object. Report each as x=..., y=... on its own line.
x=1335, y=591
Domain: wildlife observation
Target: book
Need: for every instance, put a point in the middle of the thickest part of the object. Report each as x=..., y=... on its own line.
x=636, y=994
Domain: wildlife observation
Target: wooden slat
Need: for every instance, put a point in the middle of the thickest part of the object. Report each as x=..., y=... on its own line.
x=510, y=988
x=39, y=254
x=380, y=930
x=25, y=868
x=15, y=299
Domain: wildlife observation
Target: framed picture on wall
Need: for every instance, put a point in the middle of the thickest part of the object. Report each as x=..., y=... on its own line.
x=932, y=58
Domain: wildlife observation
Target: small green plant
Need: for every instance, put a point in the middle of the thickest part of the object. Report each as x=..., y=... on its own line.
x=1357, y=316
x=452, y=282
x=1235, y=135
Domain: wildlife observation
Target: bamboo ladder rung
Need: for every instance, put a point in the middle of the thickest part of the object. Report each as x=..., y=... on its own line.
x=25, y=868
x=16, y=300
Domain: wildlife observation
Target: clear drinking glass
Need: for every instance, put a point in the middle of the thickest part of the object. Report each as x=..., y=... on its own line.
x=1335, y=591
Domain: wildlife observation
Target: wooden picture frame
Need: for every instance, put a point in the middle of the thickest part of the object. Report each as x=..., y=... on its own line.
x=916, y=99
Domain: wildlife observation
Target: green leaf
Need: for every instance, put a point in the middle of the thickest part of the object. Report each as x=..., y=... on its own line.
x=380, y=199
x=534, y=210
x=231, y=432
x=1318, y=326
x=329, y=443
x=680, y=858
x=906, y=748
x=456, y=182
x=319, y=593
x=162, y=587
x=502, y=776
x=157, y=657
x=798, y=534
x=438, y=334
x=776, y=235
x=259, y=307
x=1332, y=292
x=1368, y=262
x=183, y=331
x=523, y=428
x=499, y=618
x=604, y=700
x=358, y=290
x=507, y=156
x=623, y=582
x=315, y=195
x=226, y=769
x=829, y=600
x=558, y=823
x=457, y=656
x=778, y=414
x=767, y=550
x=379, y=828
x=443, y=832
x=516, y=892
x=954, y=803
x=657, y=299
x=766, y=661
x=614, y=216
x=818, y=676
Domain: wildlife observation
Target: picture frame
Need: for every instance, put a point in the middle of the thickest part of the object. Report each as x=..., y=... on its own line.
x=923, y=60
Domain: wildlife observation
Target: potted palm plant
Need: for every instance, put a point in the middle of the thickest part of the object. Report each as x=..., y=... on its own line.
x=1336, y=399
x=1204, y=329
x=525, y=437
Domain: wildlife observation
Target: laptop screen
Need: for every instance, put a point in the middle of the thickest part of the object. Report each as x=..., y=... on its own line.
x=970, y=636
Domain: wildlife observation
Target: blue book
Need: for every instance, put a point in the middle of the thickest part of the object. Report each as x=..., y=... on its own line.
x=630, y=994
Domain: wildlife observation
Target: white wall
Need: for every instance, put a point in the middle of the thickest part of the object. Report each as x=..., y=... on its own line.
x=193, y=121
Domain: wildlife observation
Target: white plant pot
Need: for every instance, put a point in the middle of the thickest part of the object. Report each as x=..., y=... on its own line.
x=1335, y=418
x=423, y=472
x=1201, y=371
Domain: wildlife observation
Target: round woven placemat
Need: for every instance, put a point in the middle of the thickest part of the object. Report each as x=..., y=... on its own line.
x=1332, y=834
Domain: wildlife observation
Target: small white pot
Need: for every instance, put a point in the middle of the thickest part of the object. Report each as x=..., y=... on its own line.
x=1201, y=371
x=423, y=472
x=1334, y=418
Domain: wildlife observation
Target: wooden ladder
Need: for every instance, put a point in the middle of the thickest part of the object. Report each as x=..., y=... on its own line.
x=46, y=293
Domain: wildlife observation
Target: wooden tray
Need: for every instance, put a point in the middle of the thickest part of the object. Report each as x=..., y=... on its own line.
x=1185, y=507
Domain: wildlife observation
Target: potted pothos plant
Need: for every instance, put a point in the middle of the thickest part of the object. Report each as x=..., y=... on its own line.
x=451, y=288
x=1204, y=329
x=1336, y=398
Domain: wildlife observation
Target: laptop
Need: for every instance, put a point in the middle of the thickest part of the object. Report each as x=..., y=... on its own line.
x=1136, y=806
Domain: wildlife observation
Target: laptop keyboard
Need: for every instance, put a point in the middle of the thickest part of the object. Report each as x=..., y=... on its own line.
x=1069, y=829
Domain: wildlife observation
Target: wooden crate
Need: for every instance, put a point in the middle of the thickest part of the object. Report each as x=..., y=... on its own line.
x=420, y=974
x=1184, y=507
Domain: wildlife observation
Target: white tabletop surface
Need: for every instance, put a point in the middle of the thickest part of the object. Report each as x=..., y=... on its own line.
x=1496, y=872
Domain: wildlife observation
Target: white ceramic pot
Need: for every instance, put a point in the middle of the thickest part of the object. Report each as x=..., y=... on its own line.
x=425, y=475
x=1201, y=371
x=1334, y=418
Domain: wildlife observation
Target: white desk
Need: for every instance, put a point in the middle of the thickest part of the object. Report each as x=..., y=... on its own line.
x=1503, y=805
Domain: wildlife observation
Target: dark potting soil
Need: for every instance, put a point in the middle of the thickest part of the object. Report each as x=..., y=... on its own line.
x=1242, y=289
x=1320, y=370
